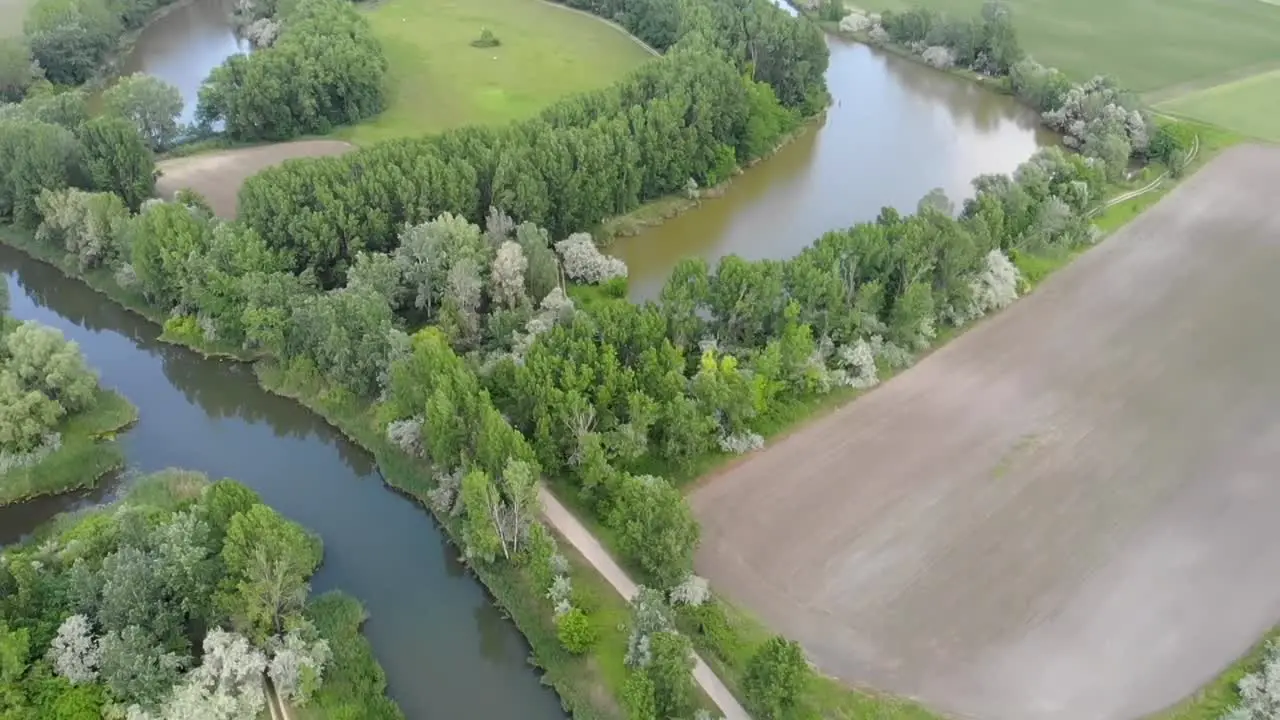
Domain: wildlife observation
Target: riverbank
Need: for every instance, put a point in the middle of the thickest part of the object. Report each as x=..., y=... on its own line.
x=88, y=452
x=656, y=212
x=588, y=686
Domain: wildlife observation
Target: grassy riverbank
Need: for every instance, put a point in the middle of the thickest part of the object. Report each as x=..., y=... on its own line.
x=88, y=452
x=589, y=685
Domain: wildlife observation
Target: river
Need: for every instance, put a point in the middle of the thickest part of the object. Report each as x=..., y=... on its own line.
x=447, y=651
x=183, y=44
x=895, y=130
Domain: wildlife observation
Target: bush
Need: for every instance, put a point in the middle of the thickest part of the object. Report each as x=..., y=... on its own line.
x=777, y=674
x=486, y=40
x=576, y=632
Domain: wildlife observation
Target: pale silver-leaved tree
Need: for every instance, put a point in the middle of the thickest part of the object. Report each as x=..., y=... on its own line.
x=297, y=663
x=506, y=278
x=74, y=651
x=996, y=286
x=584, y=262
x=1260, y=690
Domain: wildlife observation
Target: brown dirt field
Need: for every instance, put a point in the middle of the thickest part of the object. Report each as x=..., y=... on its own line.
x=1067, y=513
x=219, y=175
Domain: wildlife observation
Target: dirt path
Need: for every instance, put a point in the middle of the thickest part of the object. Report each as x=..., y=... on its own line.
x=219, y=175
x=1068, y=513
x=577, y=534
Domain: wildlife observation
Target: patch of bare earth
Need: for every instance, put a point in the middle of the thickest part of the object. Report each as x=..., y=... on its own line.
x=218, y=175
x=1071, y=512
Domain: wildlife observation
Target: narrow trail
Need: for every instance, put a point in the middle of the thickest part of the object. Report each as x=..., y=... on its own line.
x=1191, y=155
x=581, y=538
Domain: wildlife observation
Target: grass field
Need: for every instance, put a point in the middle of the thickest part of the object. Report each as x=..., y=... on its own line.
x=1148, y=44
x=439, y=81
x=1250, y=106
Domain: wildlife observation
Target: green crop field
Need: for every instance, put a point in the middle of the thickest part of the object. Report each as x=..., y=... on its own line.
x=1250, y=106
x=1150, y=45
x=440, y=81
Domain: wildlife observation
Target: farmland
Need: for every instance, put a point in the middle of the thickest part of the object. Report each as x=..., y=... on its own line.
x=440, y=81
x=1149, y=45
x=1250, y=106
x=1015, y=527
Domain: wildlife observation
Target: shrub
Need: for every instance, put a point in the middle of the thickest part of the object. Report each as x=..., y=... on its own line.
x=575, y=631
x=1260, y=691
x=776, y=676
x=938, y=56
x=486, y=40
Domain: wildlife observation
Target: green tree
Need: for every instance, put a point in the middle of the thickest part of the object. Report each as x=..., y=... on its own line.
x=638, y=697
x=137, y=669
x=575, y=631
x=671, y=672
x=34, y=157
x=654, y=526
x=117, y=160
x=268, y=560
x=70, y=37
x=777, y=675
x=164, y=238
x=18, y=70
x=152, y=105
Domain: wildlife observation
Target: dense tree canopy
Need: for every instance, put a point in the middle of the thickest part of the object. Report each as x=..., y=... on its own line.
x=326, y=69
x=103, y=618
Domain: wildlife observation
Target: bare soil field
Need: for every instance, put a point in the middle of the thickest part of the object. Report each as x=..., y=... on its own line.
x=1067, y=513
x=218, y=175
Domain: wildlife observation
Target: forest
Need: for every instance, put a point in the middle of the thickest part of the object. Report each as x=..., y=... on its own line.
x=185, y=599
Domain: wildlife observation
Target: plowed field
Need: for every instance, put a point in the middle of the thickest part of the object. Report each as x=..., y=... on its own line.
x=1072, y=511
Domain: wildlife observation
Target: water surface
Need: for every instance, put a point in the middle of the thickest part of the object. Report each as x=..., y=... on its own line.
x=183, y=45
x=895, y=130
x=447, y=650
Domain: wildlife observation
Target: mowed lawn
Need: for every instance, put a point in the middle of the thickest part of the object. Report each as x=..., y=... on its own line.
x=439, y=81
x=1250, y=106
x=1150, y=45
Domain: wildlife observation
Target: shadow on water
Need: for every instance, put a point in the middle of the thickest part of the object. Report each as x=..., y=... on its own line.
x=448, y=652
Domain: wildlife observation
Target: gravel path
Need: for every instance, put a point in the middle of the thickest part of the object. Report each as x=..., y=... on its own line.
x=577, y=534
x=1069, y=512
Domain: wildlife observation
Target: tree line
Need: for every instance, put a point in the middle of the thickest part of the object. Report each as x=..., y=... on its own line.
x=324, y=69
x=1098, y=118
x=177, y=602
x=66, y=41
x=48, y=142
x=689, y=118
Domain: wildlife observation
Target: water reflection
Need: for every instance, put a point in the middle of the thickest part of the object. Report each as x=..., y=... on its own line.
x=894, y=131
x=185, y=44
x=447, y=651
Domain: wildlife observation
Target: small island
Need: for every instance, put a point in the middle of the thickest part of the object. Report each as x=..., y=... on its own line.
x=57, y=424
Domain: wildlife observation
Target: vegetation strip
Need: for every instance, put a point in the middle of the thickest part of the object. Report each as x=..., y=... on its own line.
x=581, y=538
